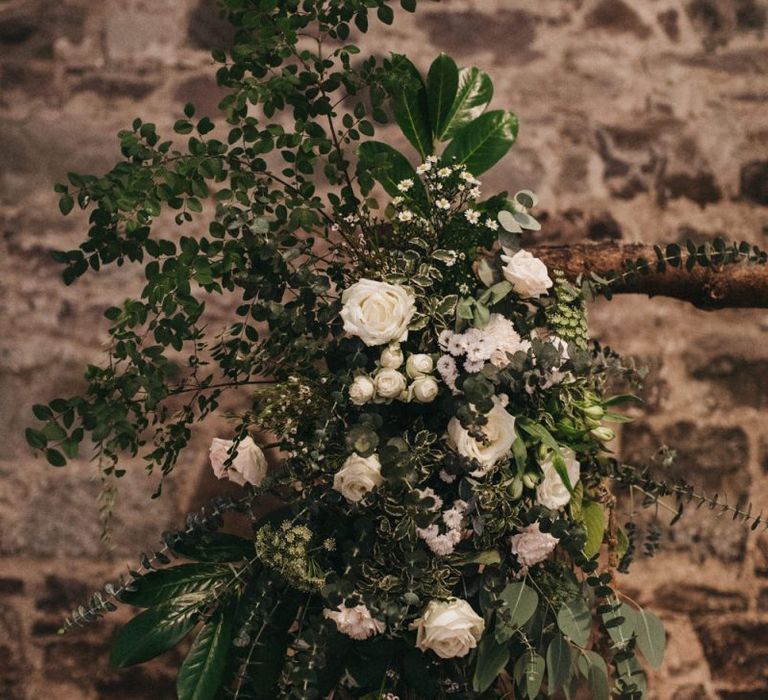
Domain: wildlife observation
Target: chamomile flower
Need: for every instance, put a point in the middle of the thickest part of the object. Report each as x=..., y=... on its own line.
x=475, y=193
x=405, y=185
x=491, y=224
x=405, y=216
x=424, y=168
x=472, y=215
x=444, y=172
x=397, y=201
x=443, y=204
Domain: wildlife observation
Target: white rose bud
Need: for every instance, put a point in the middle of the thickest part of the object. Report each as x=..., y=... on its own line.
x=357, y=622
x=389, y=383
x=248, y=467
x=392, y=357
x=449, y=628
x=377, y=312
x=418, y=365
x=527, y=274
x=358, y=476
x=532, y=546
x=499, y=433
x=362, y=390
x=424, y=389
x=551, y=492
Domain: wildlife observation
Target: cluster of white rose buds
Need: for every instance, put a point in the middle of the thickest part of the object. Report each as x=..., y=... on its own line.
x=388, y=383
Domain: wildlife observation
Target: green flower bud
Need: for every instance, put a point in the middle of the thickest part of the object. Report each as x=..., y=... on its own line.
x=594, y=411
x=603, y=434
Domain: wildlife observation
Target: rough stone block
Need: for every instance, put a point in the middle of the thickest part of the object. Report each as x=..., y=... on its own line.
x=736, y=651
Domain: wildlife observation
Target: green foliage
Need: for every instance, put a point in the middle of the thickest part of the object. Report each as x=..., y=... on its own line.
x=202, y=672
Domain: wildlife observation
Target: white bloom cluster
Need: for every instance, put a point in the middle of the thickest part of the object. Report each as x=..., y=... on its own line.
x=552, y=492
x=358, y=476
x=377, y=312
x=532, y=546
x=357, y=622
x=443, y=544
x=494, y=344
x=389, y=384
x=449, y=628
x=527, y=274
x=249, y=465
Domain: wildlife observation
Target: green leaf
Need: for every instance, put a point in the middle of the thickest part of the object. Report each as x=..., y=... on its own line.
x=154, y=631
x=594, y=522
x=486, y=558
x=529, y=673
x=575, y=621
x=651, y=638
x=411, y=108
x=390, y=167
x=165, y=584
x=492, y=657
x=597, y=678
x=544, y=436
x=55, y=458
x=620, y=630
x=66, y=204
x=35, y=439
x=202, y=671
x=558, y=663
x=483, y=142
x=442, y=84
x=474, y=92
x=522, y=602
x=214, y=547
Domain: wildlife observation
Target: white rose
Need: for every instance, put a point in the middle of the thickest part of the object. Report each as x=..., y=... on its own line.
x=418, y=365
x=248, y=467
x=499, y=433
x=362, y=390
x=532, y=545
x=358, y=476
x=527, y=274
x=424, y=389
x=551, y=492
x=392, y=356
x=357, y=622
x=377, y=312
x=450, y=629
x=389, y=383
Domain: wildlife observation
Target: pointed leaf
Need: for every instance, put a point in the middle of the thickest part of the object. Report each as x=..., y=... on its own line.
x=154, y=631
x=492, y=657
x=390, y=167
x=201, y=674
x=165, y=584
x=522, y=602
x=651, y=638
x=472, y=97
x=411, y=108
x=575, y=621
x=442, y=84
x=597, y=678
x=529, y=673
x=587, y=659
x=558, y=663
x=594, y=523
x=621, y=632
x=214, y=547
x=483, y=142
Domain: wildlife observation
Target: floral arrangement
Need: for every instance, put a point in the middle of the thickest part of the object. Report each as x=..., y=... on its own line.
x=438, y=416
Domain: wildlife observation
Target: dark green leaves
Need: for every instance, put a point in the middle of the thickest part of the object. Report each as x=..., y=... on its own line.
x=558, y=663
x=442, y=83
x=474, y=92
x=411, y=108
x=529, y=673
x=154, y=631
x=592, y=666
x=214, y=547
x=165, y=584
x=201, y=674
x=481, y=143
x=575, y=621
x=594, y=523
x=389, y=167
x=521, y=601
x=492, y=657
x=651, y=639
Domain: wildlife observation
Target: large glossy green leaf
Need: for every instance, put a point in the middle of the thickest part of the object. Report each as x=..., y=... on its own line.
x=521, y=600
x=442, y=84
x=594, y=523
x=558, y=663
x=165, y=584
x=203, y=668
x=483, y=142
x=492, y=657
x=154, y=631
x=651, y=638
x=214, y=546
x=411, y=108
x=575, y=621
x=389, y=167
x=474, y=92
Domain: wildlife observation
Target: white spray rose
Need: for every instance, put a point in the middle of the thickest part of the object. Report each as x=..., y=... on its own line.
x=449, y=628
x=532, y=546
x=389, y=383
x=377, y=312
x=424, y=389
x=499, y=433
x=551, y=492
x=362, y=390
x=358, y=476
x=357, y=622
x=418, y=365
x=527, y=274
x=392, y=356
x=248, y=467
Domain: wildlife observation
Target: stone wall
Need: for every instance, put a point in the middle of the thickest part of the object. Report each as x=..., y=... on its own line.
x=640, y=121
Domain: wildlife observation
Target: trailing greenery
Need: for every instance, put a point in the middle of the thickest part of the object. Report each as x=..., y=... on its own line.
x=440, y=415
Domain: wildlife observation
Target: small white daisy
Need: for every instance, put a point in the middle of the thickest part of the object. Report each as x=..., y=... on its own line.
x=397, y=201
x=405, y=216
x=405, y=185
x=475, y=193
x=491, y=224
x=424, y=168
x=472, y=215
x=444, y=172
x=443, y=203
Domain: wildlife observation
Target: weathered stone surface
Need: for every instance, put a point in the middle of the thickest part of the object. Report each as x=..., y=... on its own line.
x=617, y=17
x=699, y=600
x=207, y=28
x=12, y=659
x=10, y=585
x=753, y=184
x=736, y=653
x=690, y=692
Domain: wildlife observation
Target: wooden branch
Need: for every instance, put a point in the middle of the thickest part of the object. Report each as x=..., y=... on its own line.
x=738, y=286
